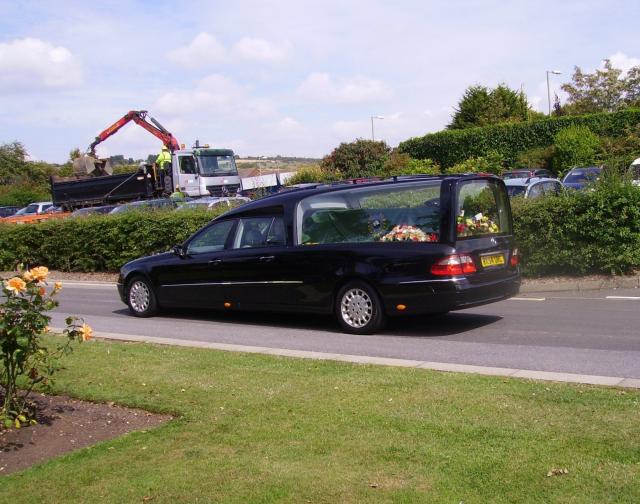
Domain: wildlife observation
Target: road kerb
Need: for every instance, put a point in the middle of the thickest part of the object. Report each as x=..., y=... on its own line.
x=379, y=361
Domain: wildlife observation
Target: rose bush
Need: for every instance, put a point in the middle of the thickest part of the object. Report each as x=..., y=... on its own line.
x=26, y=361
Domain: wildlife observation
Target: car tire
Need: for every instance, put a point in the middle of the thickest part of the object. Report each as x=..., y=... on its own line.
x=141, y=298
x=359, y=309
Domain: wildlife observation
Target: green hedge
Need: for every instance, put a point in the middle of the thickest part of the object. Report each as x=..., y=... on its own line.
x=582, y=232
x=96, y=243
x=451, y=147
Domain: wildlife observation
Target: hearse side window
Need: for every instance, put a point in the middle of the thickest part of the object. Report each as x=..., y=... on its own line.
x=482, y=209
x=260, y=232
x=211, y=239
x=394, y=212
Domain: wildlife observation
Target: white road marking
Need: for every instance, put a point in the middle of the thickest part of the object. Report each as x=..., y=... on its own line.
x=636, y=298
x=88, y=285
x=526, y=299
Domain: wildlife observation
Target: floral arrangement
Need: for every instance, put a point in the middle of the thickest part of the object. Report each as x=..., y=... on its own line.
x=404, y=232
x=478, y=224
x=25, y=359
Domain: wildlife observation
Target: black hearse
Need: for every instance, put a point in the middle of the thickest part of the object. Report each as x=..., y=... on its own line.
x=361, y=251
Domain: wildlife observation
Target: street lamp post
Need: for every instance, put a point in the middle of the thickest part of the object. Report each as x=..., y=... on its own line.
x=373, y=137
x=554, y=72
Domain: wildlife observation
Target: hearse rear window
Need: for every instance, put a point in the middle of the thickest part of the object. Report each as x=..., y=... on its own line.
x=482, y=209
x=398, y=212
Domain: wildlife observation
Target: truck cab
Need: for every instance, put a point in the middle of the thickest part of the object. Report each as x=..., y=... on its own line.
x=205, y=172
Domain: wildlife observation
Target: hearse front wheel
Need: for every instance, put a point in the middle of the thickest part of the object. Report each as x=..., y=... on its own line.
x=141, y=298
x=359, y=308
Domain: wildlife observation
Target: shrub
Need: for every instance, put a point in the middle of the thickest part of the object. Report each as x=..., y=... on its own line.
x=25, y=360
x=448, y=148
x=538, y=157
x=312, y=173
x=582, y=232
x=574, y=146
x=400, y=163
x=489, y=164
x=22, y=194
x=97, y=243
x=362, y=158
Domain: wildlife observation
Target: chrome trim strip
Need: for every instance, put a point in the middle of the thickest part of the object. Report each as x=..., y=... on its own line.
x=458, y=279
x=430, y=281
x=235, y=283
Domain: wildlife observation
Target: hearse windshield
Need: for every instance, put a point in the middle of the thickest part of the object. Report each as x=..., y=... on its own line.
x=389, y=213
x=217, y=166
x=482, y=209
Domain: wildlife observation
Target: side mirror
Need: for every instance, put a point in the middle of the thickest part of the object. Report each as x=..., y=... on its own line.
x=179, y=251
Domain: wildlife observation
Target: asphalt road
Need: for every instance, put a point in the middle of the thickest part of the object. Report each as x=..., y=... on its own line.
x=592, y=332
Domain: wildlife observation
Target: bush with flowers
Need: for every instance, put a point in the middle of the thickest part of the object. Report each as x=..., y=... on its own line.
x=26, y=361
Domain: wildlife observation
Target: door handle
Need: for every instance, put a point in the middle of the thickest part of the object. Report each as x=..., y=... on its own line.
x=215, y=262
x=266, y=259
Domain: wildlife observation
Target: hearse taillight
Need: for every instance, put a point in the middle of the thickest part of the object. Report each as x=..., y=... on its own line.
x=456, y=264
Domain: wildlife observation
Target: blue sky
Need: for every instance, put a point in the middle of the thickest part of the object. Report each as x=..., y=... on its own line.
x=282, y=77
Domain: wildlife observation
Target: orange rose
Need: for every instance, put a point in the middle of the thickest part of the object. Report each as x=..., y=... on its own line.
x=40, y=273
x=57, y=286
x=15, y=285
x=28, y=276
x=41, y=291
x=86, y=332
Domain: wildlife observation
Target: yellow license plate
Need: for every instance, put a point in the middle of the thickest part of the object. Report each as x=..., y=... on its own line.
x=492, y=260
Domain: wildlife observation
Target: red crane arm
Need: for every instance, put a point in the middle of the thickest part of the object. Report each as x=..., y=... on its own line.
x=139, y=117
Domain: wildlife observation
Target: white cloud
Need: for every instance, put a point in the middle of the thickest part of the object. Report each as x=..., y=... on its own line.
x=289, y=124
x=215, y=108
x=320, y=87
x=31, y=63
x=204, y=49
x=623, y=62
x=257, y=49
x=214, y=93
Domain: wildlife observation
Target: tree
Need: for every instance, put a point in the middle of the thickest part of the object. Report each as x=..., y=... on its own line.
x=605, y=90
x=481, y=106
x=574, y=146
x=12, y=162
x=362, y=158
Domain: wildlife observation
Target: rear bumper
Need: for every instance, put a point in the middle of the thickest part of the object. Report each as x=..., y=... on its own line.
x=441, y=295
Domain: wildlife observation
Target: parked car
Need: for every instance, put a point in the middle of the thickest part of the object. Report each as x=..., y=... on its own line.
x=82, y=212
x=212, y=202
x=527, y=173
x=534, y=187
x=151, y=204
x=35, y=208
x=54, y=210
x=579, y=178
x=8, y=211
x=360, y=251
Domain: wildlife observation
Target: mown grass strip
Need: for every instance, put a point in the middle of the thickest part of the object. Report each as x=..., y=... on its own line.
x=257, y=428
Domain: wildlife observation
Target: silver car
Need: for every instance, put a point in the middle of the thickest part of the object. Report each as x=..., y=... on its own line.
x=213, y=202
x=534, y=187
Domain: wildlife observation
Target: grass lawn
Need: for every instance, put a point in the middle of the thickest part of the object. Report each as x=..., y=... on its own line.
x=261, y=429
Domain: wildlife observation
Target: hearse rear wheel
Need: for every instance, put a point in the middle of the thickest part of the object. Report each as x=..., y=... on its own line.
x=359, y=308
x=141, y=298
